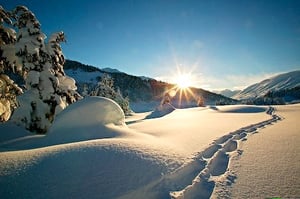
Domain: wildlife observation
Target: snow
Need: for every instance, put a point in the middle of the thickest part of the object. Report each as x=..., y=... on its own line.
x=274, y=156
x=110, y=70
x=93, y=151
x=283, y=81
x=83, y=76
x=70, y=125
x=67, y=83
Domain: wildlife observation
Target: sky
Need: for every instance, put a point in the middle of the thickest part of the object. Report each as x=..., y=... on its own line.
x=222, y=43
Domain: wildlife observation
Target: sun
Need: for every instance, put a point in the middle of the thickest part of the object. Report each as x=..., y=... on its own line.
x=182, y=90
x=183, y=81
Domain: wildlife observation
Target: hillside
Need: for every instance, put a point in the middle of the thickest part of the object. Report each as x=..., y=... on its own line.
x=138, y=89
x=285, y=87
x=227, y=92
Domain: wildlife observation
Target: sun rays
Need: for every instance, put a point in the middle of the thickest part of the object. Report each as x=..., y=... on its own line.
x=182, y=89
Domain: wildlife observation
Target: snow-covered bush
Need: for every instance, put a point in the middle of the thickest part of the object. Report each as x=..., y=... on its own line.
x=48, y=90
x=105, y=88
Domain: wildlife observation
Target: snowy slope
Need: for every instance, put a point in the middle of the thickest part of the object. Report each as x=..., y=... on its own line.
x=227, y=92
x=111, y=70
x=280, y=82
x=82, y=76
x=177, y=153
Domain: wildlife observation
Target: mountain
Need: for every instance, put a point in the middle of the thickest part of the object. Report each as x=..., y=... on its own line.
x=111, y=70
x=285, y=86
x=137, y=89
x=227, y=92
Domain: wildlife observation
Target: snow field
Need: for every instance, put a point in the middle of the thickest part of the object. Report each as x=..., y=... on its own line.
x=272, y=159
x=198, y=178
x=162, y=157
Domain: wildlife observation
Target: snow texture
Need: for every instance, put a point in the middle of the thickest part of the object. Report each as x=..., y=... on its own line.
x=188, y=153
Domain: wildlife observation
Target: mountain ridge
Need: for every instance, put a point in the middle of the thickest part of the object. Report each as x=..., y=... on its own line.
x=134, y=87
x=283, y=85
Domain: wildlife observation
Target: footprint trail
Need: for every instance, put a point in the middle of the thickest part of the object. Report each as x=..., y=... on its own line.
x=214, y=167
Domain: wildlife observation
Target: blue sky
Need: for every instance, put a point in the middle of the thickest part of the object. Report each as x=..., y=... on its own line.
x=225, y=44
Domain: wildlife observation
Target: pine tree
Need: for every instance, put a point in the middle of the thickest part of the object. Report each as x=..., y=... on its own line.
x=48, y=90
x=8, y=89
x=105, y=88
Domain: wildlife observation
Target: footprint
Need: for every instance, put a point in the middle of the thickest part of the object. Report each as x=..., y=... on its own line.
x=223, y=139
x=230, y=146
x=200, y=189
x=210, y=151
x=185, y=175
x=218, y=165
x=240, y=136
x=250, y=130
x=193, y=180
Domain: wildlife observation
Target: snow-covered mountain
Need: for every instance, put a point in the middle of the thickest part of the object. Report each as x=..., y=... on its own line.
x=286, y=86
x=227, y=92
x=138, y=89
x=111, y=70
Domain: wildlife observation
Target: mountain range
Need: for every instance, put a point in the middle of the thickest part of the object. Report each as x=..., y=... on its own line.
x=284, y=87
x=227, y=92
x=138, y=89
x=279, y=89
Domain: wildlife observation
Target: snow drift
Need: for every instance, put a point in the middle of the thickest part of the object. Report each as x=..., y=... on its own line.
x=87, y=119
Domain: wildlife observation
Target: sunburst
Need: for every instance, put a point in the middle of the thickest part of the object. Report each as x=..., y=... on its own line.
x=183, y=82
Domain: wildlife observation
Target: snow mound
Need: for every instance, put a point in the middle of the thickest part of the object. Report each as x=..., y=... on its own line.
x=161, y=111
x=242, y=109
x=89, y=118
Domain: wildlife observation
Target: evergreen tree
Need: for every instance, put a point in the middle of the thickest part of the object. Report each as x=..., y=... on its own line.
x=8, y=89
x=48, y=89
x=105, y=88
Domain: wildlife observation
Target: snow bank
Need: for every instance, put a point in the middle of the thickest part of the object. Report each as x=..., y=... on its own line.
x=88, y=118
x=161, y=111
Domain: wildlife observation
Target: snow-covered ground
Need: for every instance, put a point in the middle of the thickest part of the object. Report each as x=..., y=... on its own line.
x=218, y=152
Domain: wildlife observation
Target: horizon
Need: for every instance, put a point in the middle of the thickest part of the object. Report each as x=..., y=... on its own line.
x=224, y=44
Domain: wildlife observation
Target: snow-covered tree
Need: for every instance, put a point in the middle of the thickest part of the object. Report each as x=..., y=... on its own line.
x=8, y=89
x=8, y=92
x=123, y=102
x=200, y=101
x=105, y=88
x=48, y=89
